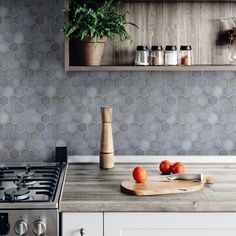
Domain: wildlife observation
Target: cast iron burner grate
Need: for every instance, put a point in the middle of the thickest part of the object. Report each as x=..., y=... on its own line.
x=29, y=183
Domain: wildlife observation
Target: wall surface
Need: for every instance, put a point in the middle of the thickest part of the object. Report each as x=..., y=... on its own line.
x=42, y=106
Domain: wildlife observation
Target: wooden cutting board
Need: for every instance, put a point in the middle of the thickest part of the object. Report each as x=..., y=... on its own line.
x=157, y=187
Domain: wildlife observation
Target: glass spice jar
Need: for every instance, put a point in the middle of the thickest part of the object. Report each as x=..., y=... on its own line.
x=185, y=55
x=171, y=55
x=142, y=56
x=156, y=56
x=232, y=54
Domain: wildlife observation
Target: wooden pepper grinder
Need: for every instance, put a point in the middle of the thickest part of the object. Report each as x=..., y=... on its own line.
x=106, y=148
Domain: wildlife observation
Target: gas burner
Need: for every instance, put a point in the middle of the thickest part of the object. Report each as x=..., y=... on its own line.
x=18, y=193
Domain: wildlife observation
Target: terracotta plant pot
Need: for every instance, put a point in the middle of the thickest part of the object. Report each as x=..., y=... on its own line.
x=86, y=52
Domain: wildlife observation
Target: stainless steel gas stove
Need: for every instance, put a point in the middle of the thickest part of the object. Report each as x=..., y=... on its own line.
x=29, y=198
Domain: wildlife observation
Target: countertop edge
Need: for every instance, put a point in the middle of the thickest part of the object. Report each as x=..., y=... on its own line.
x=196, y=206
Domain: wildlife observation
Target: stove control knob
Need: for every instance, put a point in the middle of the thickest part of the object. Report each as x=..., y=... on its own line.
x=39, y=227
x=21, y=228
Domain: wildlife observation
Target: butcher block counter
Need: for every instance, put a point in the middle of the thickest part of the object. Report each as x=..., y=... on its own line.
x=89, y=189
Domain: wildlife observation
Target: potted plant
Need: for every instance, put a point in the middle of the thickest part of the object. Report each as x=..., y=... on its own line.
x=91, y=24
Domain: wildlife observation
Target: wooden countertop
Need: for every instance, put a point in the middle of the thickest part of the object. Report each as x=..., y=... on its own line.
x=89, y=189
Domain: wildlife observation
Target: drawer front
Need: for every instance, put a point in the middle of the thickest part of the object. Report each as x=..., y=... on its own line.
x=82, y=224
x=169, y=224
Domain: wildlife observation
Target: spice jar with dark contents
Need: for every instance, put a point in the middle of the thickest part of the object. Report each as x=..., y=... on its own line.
x=185, y=55
x=156, y=56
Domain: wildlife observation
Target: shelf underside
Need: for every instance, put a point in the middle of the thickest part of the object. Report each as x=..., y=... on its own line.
x=154, y=68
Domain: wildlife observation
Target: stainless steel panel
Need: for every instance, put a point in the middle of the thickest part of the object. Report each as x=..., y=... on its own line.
x=49, y=217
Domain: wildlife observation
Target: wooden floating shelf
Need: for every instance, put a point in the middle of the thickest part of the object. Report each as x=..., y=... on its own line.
x=154, y=68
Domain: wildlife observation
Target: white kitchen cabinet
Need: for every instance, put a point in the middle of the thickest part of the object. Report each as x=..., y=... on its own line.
x=169, y=224
x=91, y=224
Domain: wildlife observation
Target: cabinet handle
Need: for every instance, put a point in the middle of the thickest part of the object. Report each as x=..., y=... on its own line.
x=81, y=231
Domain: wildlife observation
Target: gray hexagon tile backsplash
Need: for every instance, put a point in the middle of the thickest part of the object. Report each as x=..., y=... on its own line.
x=42, y=106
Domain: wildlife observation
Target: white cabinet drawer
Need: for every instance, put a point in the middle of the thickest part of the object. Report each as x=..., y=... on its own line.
x=169, y=224
x=91, y=223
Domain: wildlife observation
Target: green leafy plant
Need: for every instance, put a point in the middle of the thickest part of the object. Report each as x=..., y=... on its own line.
x=97, y=20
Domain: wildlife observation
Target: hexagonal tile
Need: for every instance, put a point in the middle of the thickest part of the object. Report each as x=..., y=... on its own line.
x=39, y=20
x=19, y=109
x=232, y=100
x=228, y=92
x=186, y=145
x=166, y=109
x=3, y=100
x=108, y=100
x=45, y=100
x=187, y=91
x=217, y=92
x=165, y=127
x=40, y=109
x=228, y=145
x=232, y=82
x=82, y=127
x=124, y=127
x=45, y=118
x=14, y=154
x=139, y=100
x=165, y=91
x=186, y=127
x=124, y=109
x=228, y=108
x=228, y=127
x=212, y=100
x=196, y=74
x=171, y=100
x=202, y=101
x=129, y=100
x=140, y=83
